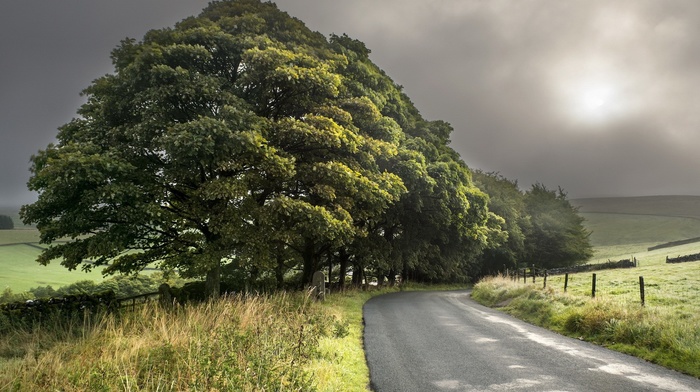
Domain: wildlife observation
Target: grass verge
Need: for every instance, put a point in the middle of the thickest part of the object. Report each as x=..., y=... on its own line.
x=241, y=343
x=280, y=342
x=654, y=333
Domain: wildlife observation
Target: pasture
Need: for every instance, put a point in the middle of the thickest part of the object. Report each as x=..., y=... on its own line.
x=19, y=270
x=664, y=330
x=625, y=227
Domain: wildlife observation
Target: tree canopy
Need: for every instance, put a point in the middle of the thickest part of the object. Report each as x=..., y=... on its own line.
x=240, y=141
x=240, y=144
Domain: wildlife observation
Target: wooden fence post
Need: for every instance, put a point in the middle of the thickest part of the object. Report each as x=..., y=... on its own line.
x=593, y=288
x=641, y=288
x=533, y=273
x=545, y=279
x=566, y=281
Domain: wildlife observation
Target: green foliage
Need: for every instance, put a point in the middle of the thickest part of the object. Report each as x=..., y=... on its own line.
x=557, y=237
x=241, y=141
x=507, y=202
x=6, y=223
x=539, y=227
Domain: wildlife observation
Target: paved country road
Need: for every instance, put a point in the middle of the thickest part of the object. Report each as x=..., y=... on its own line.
x=444, y=341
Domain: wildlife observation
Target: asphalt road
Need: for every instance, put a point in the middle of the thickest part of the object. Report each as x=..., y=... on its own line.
x=444, y=341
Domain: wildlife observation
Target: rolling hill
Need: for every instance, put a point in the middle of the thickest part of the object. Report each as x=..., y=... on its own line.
x=624, y=226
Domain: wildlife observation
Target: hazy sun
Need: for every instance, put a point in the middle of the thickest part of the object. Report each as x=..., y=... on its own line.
x=589, y=91
x=593, y=100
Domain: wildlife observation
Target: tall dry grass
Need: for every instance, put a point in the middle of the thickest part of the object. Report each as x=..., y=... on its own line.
x=237, y=343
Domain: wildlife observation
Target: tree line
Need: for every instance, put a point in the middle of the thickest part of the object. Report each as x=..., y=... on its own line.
x=240, y=145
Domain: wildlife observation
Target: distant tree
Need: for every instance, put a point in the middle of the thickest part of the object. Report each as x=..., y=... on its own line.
x=79, y=287
x=557, y=236
x=6, y=223
x=44, y=292
x=508, y=202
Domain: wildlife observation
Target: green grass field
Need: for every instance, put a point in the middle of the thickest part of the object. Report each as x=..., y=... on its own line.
x=625, y=227
x=664, y=330
x=19, y=270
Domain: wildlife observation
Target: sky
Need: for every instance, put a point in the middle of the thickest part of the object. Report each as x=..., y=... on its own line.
x=599, y=98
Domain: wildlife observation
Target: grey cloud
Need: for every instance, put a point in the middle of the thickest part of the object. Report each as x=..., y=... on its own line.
x=599, y=97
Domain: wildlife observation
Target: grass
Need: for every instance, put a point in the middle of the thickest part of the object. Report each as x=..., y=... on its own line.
x=280, y=342
x=613, y=229
x=663, y=331
x=19, y=270
x=237, y=343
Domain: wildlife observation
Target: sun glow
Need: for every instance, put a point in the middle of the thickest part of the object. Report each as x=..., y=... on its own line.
x=590, y=95
x=593, y=100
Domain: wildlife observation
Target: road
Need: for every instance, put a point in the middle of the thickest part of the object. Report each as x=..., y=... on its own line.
x=444, y=341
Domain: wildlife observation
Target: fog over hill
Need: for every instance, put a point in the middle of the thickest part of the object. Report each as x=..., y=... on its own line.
x=680, y=206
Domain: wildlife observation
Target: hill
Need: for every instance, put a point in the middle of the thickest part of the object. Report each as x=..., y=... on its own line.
x=625, y=226
x=676, y=206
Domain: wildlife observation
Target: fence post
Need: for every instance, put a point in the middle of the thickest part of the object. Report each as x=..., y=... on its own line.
x=533, y=273
x=566, y=281
x=641, y=288
x=545, y=279
x=593, y=288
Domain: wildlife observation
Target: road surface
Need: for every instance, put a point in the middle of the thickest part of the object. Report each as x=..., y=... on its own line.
x=444, y=341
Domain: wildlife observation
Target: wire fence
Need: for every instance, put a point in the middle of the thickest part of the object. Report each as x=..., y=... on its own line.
x=646, y=290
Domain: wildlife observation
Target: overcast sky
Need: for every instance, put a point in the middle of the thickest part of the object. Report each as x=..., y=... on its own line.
x=601, y=98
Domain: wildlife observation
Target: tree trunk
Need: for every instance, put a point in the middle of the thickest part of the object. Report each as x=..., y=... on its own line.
x=310, y=263
x=392, y=277
x=212, y=286
x=279, y=271
x=357, y=274
x=344, y=258
x=330, y=268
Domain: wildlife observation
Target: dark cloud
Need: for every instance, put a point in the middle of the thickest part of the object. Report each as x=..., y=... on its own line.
x=595, y=96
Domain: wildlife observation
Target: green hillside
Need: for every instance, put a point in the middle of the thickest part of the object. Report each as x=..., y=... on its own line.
x=678, y=206
x=627, y=226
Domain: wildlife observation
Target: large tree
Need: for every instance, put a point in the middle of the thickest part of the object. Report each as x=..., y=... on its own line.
x=241, y=141
x=207, y=135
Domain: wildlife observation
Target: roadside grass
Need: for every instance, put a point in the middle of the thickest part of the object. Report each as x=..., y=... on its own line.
x=280, y=342
x=242, y=343
x=664, y=331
